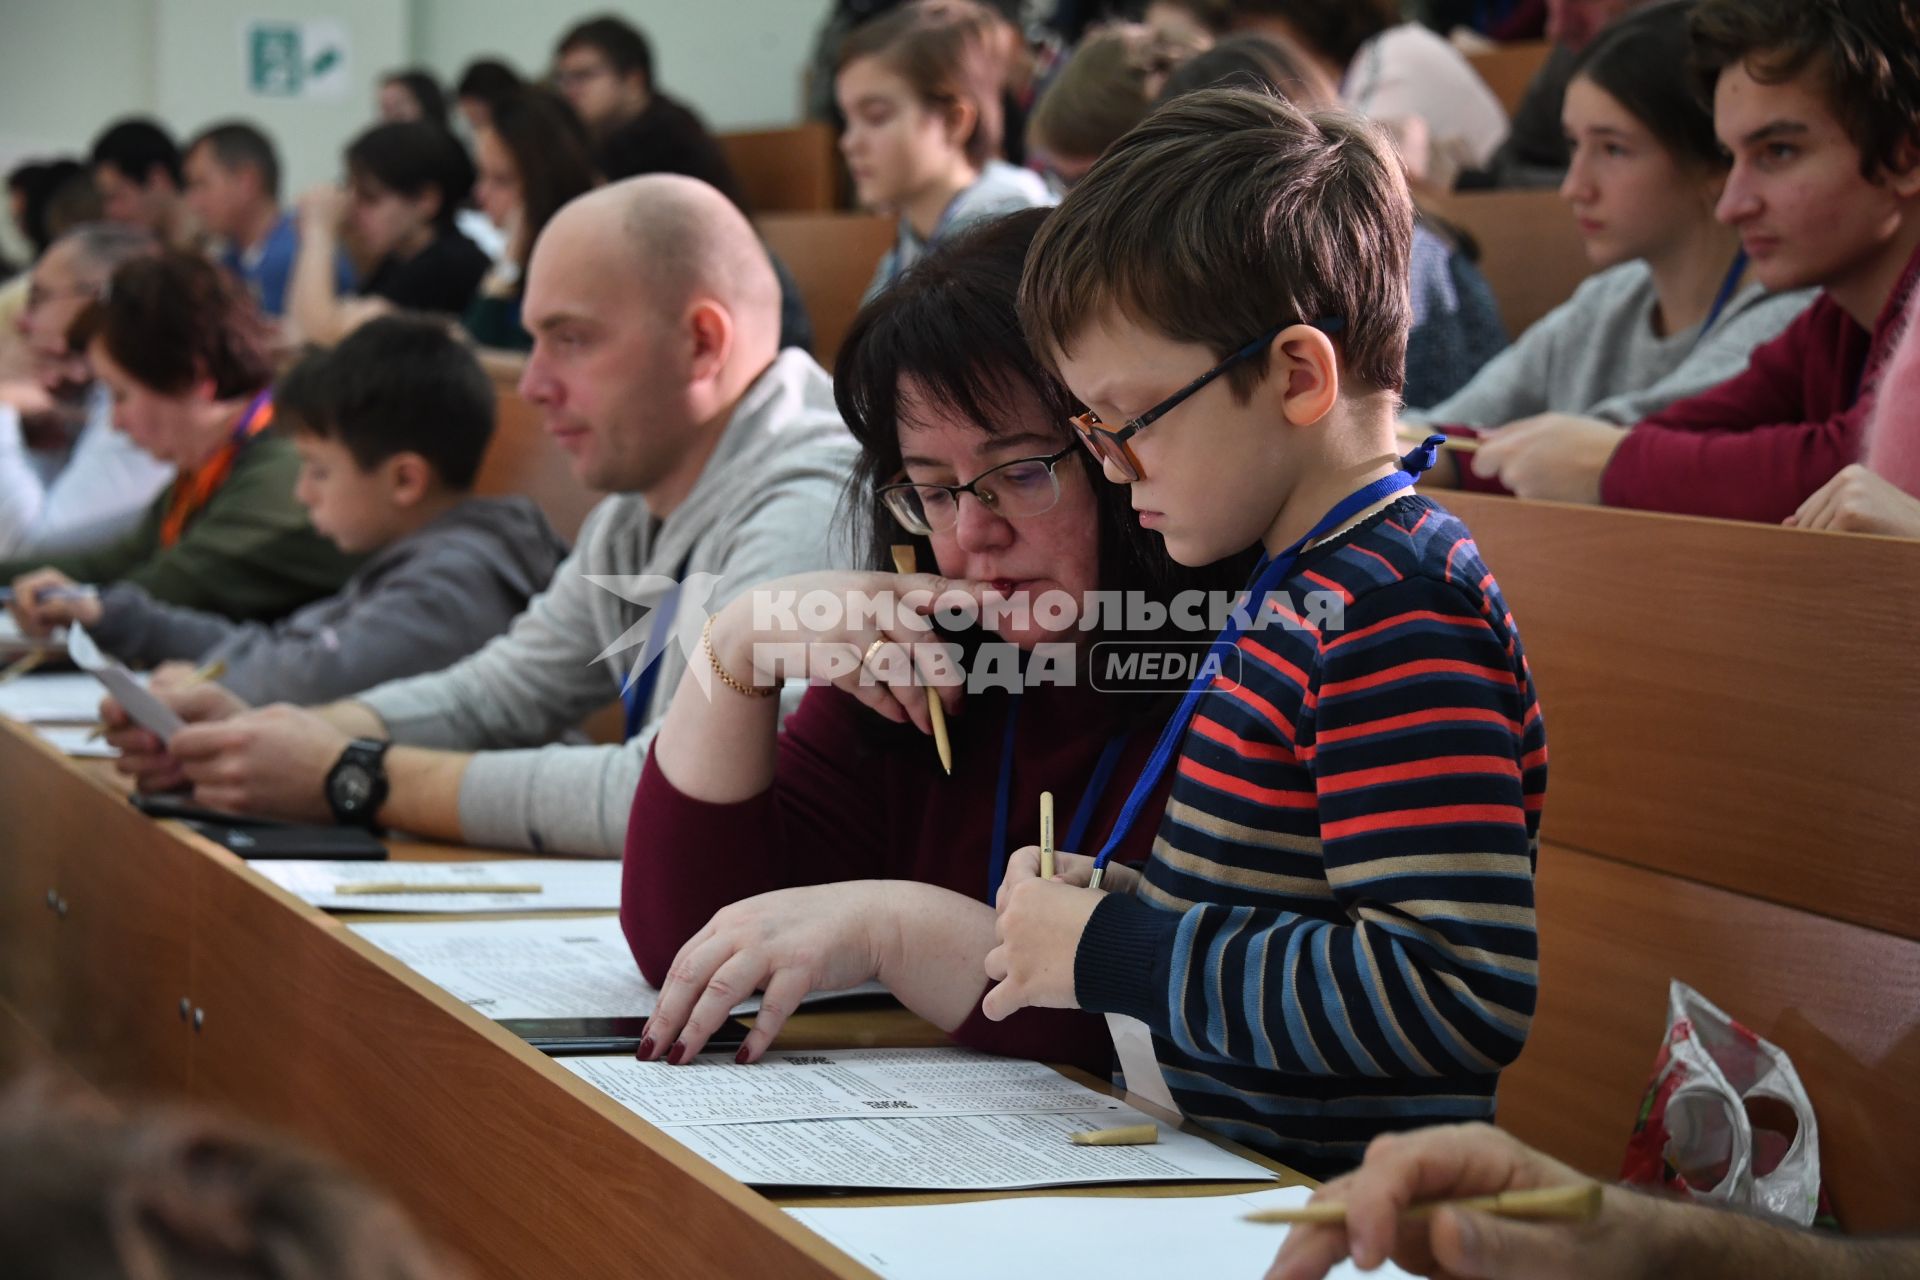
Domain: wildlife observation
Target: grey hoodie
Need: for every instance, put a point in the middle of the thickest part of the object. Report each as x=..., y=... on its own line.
x=762, y=509
x=419, y=604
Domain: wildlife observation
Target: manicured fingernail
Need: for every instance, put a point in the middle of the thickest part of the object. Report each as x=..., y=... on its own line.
x=741, y=1057
x=645, y=1051
x=678, y=1054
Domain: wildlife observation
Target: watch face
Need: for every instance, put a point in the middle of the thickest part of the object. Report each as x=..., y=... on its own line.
x=352, y=788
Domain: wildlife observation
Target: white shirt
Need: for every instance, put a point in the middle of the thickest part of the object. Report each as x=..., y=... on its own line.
x=102, y=492
x=1409, y=70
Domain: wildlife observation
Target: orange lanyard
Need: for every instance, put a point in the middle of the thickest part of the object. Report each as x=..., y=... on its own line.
x=192, y=490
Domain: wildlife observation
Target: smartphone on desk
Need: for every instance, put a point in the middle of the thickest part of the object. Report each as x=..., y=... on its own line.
x=557, y=1036
x=263, y=838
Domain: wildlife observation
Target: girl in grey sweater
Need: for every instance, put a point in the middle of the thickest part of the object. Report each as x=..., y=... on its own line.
x=1670, y=312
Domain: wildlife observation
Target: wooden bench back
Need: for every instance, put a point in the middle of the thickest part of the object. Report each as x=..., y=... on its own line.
x=1509, y=68
x=794, y=170
x=832, y=256
x=1730, y=711
x=523, y=458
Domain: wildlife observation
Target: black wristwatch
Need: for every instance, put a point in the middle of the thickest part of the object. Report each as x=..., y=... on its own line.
x=357, y=783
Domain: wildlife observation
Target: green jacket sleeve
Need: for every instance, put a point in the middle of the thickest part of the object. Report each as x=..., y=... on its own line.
x=108, y=563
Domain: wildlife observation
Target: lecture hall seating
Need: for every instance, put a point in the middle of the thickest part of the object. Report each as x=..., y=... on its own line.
x=794, y=170
x=1509, y=68
x=1530, y=250
x=1730, y=721
x=832, y=255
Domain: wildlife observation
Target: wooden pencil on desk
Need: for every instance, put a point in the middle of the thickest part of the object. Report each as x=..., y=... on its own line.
x=1046, y=835
x=1577, y=1203
x=380, y=887
x=905, y=561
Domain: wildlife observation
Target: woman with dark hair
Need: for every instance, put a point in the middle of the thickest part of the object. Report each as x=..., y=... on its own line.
x=867, y=859
x=485, y=83
x=187, y=358
x=1397, y=73
x=412, y=94
x=405, y=186
x=532, y=156
x=1670, y=311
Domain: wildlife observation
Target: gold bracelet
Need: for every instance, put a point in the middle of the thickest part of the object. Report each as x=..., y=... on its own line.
x=726, y=677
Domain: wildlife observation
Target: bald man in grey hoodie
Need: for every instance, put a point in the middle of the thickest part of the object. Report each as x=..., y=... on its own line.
x=656, y=367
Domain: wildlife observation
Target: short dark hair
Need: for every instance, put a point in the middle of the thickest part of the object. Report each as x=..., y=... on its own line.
x=136, y=147
x=424, y=88
x=551, y=154
x=1225, y=213
x=488, y=80
x=412, y=158
x=1333, y=28
x=1866, y=52
x=618, y=41
x=173, y=318
x=397, y=384
x=38, y=183
x=949, y=324
x=1254, y=61
x=239, y=145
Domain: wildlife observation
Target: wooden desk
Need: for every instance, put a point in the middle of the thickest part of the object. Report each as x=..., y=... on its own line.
x=153, y=962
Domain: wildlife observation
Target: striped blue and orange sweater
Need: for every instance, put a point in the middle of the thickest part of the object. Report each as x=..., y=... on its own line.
x=1334, y=936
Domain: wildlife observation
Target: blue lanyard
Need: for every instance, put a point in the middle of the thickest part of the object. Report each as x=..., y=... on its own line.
x=1269, y=575
x=637, y=693
x=1003, y=796
x=1721, y=299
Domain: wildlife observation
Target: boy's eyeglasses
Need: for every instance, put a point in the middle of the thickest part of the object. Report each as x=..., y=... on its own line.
x=1108, y=444
x=1023, y=487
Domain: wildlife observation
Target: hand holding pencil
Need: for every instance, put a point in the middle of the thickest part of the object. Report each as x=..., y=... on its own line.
x=1466, y=1200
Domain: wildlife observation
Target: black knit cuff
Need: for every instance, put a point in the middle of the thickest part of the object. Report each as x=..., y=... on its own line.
x=1121, y=964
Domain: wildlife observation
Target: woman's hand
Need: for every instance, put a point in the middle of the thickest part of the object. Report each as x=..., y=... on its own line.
x=825, y=937
x=48, y=598
x=868, y=634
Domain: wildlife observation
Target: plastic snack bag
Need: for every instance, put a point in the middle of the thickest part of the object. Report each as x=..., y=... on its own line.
x=1725, y=1118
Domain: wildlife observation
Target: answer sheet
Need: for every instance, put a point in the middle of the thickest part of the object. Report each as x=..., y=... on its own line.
x=63, y=698
x=564, y=968
x=1115, y=1238
x=564, y=884
x=960, y=1153
x=837, y=1084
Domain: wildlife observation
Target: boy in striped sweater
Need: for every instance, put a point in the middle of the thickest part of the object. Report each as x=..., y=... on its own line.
x=1334, y=936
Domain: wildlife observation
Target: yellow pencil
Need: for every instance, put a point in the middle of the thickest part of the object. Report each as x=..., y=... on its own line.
x=363, y=890
x=22, y=666
x=1577, y=1203
x=904, y=561
x=1132, y=1135
x=1046, y=835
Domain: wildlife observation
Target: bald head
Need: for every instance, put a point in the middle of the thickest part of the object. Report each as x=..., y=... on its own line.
x=686, y=243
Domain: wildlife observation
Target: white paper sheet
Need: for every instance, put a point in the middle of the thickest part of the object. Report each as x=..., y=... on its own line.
x=1139, y=1066
x=566, y=885
x=565, y=968
x=959, y=1153
x=147, y=711
x=63, y=698
x=835, y=1084
x=76, y=741
x=1115, y=1238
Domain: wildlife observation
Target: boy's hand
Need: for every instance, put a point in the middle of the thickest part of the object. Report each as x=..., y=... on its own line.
x=38, y=614
x=1038, y=925
x=1068, y=868
x=273, y=761
x=1555, y=457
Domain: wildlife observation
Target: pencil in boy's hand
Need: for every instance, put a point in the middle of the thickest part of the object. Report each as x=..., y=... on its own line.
x=905, y=561
x=1046, y=835
x=1576, y=1203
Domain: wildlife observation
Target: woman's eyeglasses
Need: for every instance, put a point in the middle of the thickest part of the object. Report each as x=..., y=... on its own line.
x=1023, y=487
x=1108, y=444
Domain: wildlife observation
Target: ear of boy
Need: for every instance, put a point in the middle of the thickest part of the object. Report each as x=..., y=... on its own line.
x=1302, y=361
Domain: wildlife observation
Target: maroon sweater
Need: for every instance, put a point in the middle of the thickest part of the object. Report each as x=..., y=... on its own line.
x=855, y=798
x=1761, y=443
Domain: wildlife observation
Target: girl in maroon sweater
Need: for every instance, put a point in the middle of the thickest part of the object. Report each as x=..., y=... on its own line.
x=839, y=850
